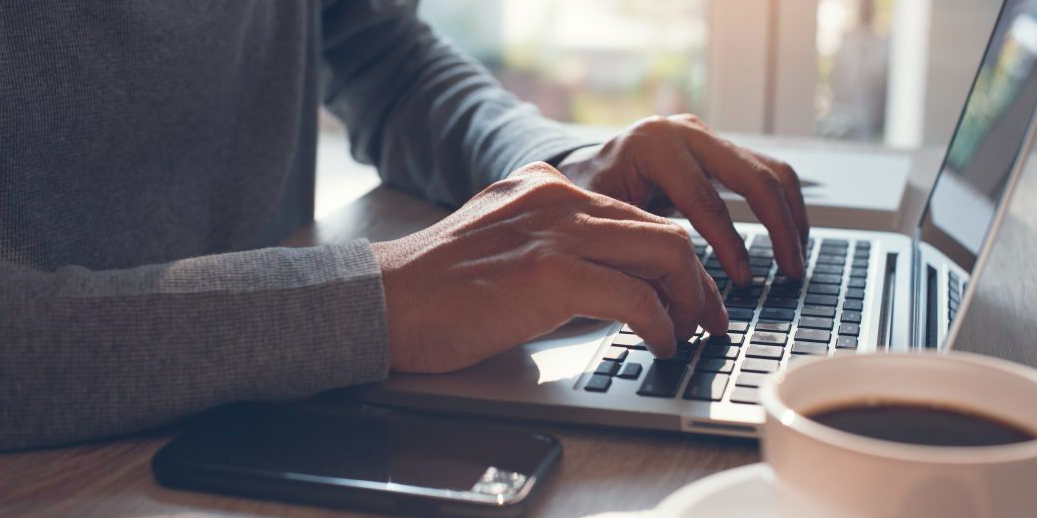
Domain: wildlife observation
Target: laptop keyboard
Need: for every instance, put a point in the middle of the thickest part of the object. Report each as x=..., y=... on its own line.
x=774, y=321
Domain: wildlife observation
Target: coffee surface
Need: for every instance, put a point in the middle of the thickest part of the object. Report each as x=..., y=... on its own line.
x=917, y=424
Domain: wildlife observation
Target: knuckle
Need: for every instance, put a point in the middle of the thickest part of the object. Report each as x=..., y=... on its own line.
x=679, y=241
x=708, y=201
x=644, y=300
x=769, y=181
x=785, y=172
x=692, y=119
x=653, y=125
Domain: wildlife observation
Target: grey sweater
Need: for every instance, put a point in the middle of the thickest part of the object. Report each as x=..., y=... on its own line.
x=152, y=153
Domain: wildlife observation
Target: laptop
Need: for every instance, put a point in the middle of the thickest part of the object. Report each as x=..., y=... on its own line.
x=863, y=292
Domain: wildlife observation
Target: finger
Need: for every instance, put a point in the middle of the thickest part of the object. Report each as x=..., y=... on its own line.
x=714, y=314
x=598, y=291
x=678, y=174
x=741, y=172
x=662, y=252
x=793, y=193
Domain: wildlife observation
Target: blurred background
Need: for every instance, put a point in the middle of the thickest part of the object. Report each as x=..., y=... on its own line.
x=889, y=72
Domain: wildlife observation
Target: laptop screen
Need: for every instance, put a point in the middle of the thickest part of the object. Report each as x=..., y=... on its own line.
x=990, y=133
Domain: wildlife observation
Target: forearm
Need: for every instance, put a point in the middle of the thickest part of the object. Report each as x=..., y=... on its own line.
x=433, y=120
x=90, y=354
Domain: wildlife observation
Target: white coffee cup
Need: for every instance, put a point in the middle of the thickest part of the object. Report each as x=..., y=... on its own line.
x=820, y=471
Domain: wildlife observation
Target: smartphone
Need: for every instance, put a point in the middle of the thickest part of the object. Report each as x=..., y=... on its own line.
x=388, y=463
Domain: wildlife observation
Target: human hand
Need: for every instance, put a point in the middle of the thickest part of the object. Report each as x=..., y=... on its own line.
x=679, y=155
x=525, y=256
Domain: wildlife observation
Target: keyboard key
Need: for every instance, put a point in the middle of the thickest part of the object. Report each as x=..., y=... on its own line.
x=616, y=354
x=783, y=281
x=846, y=342
x=859, y=272
x=721, y=284
x=813, y=335
x=706, y=387
x=683, y=354
x=857, y=282
x=726, y=339
x=715, y=365
x=760, y=270
x=816, y=323
x=760, y=261
x=741, y=302
x=861, y=254
x=844, y=352
x=823, y=289
x=821, y=300
x=853, y=305
x=626, y=329
x=761, y=337
x=751, y=291
x=863, y=245
x=831, y=259
x=734, y=326
x=849, y=329
x=744, y=315
x=842, y=243
x=828, y=269
x=598, y=383
x=750, y=379
x=773, y=327
x=788, y=292
x=818, y=311
x=786, y=315
x=761, y=252
x=716, y=274
x=809, y=348
x=727, y=352
x=607, y=368
x=760, y=365
x=630, y=371
x=796, y=358
x=826, y=279
x=770, y=352
x=859, y=263
x=663, y=379
x=763, y=240
x=855, y=293
x=630, y=342
x=775, y=302
x=745, y=395
x=713, y=264
x=851, y=317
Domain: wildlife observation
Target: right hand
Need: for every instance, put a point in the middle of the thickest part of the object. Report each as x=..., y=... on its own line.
x=525, y=256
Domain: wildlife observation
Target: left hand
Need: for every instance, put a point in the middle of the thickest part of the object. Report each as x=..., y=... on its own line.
x=680, y=155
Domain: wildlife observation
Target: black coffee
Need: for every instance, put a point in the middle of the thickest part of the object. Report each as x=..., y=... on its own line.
x=919, y=424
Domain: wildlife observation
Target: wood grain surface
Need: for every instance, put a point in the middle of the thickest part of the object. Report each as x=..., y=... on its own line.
x=602, y=469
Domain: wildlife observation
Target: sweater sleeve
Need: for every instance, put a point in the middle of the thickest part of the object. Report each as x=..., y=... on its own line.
x=432, y=120
x=87, y=354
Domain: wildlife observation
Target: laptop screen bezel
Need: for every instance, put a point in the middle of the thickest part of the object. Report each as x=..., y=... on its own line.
x=1019, y=164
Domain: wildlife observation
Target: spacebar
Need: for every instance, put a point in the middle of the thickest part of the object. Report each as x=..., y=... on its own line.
x=663, y=379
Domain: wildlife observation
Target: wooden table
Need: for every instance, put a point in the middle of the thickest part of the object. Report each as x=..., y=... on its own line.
x=602, y=469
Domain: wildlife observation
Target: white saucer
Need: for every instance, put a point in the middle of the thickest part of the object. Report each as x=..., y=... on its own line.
x=735, y=493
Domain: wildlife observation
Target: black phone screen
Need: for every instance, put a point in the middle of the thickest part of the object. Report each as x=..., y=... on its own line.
x=419, y=456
